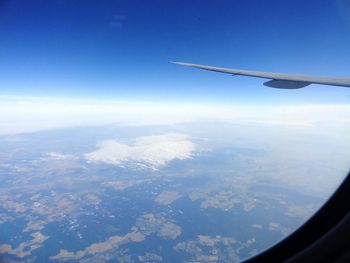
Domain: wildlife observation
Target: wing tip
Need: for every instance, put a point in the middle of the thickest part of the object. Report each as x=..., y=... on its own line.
x=180, y=63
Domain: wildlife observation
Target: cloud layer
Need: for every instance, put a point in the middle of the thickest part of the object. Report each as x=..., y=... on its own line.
x=147, y=151
x=27, y=114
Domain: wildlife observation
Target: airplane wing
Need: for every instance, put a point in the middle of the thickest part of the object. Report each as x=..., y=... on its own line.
x=277, y=80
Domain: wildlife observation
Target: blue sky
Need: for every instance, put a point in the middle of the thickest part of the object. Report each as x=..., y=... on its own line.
x=120, y=49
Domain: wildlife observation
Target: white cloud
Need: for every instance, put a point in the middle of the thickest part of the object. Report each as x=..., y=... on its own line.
x=28, y=114
x=25, y=114
x=149, y=151
x=59, y=156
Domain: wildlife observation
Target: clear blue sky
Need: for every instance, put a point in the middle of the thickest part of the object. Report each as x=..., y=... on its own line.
x=120, y=49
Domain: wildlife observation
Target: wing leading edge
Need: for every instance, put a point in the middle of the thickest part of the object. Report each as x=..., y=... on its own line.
x=277, y=80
